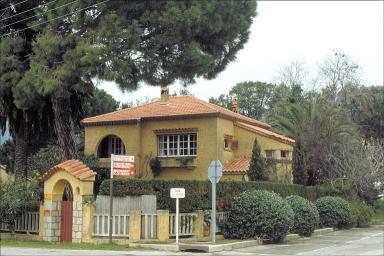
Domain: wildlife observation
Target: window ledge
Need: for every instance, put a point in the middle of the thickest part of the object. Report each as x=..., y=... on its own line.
x=176, y=161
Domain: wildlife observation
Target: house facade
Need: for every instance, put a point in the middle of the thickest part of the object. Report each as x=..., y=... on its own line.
x=185, y=134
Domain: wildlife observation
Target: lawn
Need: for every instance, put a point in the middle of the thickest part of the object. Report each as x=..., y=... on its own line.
x=75, y=246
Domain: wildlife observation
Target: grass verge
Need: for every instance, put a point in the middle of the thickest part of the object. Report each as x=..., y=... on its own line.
x=48, y=245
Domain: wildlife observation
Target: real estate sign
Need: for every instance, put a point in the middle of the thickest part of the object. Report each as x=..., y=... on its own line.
x=123, y=165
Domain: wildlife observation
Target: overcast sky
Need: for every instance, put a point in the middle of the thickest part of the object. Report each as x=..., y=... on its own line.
x=287, y=31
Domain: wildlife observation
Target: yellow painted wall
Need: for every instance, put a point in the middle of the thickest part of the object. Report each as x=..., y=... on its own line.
x=141, y=142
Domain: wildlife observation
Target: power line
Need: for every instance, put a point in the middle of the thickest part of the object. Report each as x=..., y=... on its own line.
x=27, y=10
x=10, y=6
x=54, y=18
x=28, y=18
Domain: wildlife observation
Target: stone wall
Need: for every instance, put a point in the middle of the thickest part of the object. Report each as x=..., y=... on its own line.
x=52, y=221
x=77, y=222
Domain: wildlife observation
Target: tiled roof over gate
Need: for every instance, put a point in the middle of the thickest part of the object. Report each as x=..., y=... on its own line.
x=75, y=167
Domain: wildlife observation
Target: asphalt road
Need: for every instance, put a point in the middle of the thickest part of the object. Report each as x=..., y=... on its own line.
x=362, y=241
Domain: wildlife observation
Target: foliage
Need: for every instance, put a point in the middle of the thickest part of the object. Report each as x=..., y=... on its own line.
x=7, y=154
x=318, y=127
x=155, y=165
x=299, y=171
x=199, y=192
x=257, y=167
x=361, y=213
x=334, y=212
x=259, y=214
x=379, y=204
x=44, y=159
x=362, y=165
x=306, y=215
x=99, y=103
x=185, y=160
x=16, y=196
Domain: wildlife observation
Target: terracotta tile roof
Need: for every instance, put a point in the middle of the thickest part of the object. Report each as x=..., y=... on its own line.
x=75, y=167
x=177, y=107
x=266, y=132
x=237, y=166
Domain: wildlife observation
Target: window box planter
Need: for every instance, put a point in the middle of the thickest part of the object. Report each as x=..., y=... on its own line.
x=178, y=162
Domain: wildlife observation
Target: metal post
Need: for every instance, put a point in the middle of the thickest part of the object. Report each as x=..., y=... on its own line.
x=177, y=220
x=213, y=214
x=111, y=202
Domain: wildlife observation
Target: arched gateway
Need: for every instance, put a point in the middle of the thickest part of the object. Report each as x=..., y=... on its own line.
x=65, y=186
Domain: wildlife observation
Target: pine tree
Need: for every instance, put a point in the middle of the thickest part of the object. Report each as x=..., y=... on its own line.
x=257, y=167
x=156, y=42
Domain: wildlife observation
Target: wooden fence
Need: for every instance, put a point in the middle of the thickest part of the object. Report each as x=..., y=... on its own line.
x=186, y=224
x=120, y=225
x=27, y=223
x=148, y=226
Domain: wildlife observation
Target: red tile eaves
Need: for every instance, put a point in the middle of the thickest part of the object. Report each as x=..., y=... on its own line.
x=75, y=167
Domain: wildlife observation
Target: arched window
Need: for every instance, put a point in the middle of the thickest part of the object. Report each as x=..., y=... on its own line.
x=110, y=145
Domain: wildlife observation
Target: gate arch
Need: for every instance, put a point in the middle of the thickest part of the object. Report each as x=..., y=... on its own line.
x=65, y=186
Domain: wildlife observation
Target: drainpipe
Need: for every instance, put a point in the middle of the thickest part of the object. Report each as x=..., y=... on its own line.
x=139, y=141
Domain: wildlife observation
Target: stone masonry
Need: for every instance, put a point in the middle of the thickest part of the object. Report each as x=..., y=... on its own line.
x=77, y=222
x=52, y=221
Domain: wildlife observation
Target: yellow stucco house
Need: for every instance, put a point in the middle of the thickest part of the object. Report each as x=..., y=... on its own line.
x=185, y=134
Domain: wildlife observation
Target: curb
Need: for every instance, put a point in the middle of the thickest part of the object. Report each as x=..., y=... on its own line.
x=219, y=247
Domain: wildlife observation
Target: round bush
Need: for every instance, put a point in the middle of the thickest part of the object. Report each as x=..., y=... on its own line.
x=259, y=214
x=334, y=212
x=361, y=213
x=306, y=215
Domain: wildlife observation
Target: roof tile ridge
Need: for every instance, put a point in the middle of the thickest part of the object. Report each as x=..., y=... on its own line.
x=119, y=110
x=208, y=104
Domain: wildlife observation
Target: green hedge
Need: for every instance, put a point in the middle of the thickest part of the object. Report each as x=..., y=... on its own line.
x=198, y=193
x=261, y=214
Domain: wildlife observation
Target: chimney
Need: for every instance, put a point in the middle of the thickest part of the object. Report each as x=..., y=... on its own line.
x=235, y=106
x=164, y=95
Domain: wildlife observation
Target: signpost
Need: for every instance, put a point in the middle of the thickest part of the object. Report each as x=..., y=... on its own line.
x=177, y=193
x=215, y=171
x=120, y=166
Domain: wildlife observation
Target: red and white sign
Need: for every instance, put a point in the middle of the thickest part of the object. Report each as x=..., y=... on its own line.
x=123, y=165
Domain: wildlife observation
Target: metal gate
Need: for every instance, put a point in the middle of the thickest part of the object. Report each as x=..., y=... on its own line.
x=66, y=221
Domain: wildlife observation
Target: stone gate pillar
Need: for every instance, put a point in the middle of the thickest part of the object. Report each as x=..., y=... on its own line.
x=68, y=181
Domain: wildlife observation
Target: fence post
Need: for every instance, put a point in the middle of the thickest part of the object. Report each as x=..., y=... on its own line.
x=88, y=222
x=41, y=220
x=162, y=225
x=199, y=225
x=134, y=225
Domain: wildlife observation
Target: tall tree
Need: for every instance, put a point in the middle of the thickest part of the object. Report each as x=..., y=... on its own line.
x=257, y=167
x=15, y=47
x=317, y=127
x=157, y=42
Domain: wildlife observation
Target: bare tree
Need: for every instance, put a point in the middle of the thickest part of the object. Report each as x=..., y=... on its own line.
x=362, y=165
x=292, y=74
x=336, y=71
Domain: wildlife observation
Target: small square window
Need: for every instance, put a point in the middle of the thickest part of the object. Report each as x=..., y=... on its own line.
x=269, y=153
x=284, y=154
x=226, y=144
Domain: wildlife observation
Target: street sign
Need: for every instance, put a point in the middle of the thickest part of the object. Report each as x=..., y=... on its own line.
x=177, y=193
x=123, y=165
x=215, y=171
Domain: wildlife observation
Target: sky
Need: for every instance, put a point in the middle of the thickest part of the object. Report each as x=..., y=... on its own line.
x=286, y=31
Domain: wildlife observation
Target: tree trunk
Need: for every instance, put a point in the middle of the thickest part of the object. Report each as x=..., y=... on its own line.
x=64, y=128
x=21, y=146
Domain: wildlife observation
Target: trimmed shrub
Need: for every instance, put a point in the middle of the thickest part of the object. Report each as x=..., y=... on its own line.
x=334, y=212
x=306, y=215
x=260, y=214
x=361, y=213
